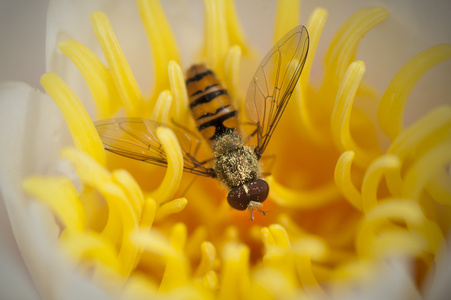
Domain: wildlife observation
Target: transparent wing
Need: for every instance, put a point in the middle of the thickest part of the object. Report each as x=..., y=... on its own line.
x=273, y=83
x=136, y=138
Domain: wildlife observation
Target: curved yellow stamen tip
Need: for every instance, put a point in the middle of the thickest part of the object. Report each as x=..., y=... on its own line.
x=406, y=211
x=278, y=251
x=216, y=35
x=210, y=280
x=344, y=46
x=117, y=64
x=373, y=176
x=180, y=109
x=121, y=214
x=426, y=168
x=208, y=258
x=148, y=214
x=415, y=141
x=235, y=272
x=232, y=72
x=320, y=196
x=154, y=242
x=287, y=17
x=161, y=39
x=130, y=188
x=171, y=207
x=176, y=271
x=96, y=75
x=91, y=248
x=62, y=197
x=272, y=284
x=82, y=129
x=315, y=25
x=393, y=102
x=311, y=246
x=342, y=176
x=308, y=280
x=341, y=115
x=162, y=107
x=171, y=181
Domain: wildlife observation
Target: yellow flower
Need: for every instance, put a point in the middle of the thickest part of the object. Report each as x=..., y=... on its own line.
x=345, y=216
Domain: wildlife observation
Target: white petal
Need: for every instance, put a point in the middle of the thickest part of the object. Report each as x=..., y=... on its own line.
x=33, y=133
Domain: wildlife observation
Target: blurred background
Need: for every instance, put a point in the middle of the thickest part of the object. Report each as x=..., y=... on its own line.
x=22, y=40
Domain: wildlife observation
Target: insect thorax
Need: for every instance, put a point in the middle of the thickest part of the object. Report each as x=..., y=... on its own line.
x=235, y=164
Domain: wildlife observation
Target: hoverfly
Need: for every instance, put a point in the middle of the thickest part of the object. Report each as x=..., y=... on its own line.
x=236, y=162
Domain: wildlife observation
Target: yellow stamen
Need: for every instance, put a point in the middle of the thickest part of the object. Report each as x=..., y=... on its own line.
x=62, y=197
x=162, y=42
x=235, y=266
x=207, y=260
x=234, y=29
x=232, y=78
x=287, y=17
x=162, y=106
x=130, y=188
x=176, y=271
x=373, y=176
x=278, y=251
x=325, y=194
x=216, y=35
x=171, y=181
x=393, y=102
x=417, y=140
x=96, y=75
x=121, y=215
x=343, y=180
x=124, y=80
x=425, y=169
x=90, y=248
x=341, y=115
x=171, y=207
x=315, y=25
x=307, y=278
x=82, y=129
x=180, y=110
x=343, y=49
x=394, y=209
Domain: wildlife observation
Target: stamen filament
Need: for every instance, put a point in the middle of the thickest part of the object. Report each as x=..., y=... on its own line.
x=216, y=35
x=161, y=39
x=341, y=115
x=294, y=198
x=344, y=46
x=96, y=75
x=171, y=181
x=344, y=182
x=62, y=197
x=162, y=107
x=287, y=17
x=393, y=102
x=382, y=165
x=124, y=80
x=82, y=129
x=180, y=110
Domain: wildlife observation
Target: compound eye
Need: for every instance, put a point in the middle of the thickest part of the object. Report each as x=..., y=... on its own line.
x=240, y=197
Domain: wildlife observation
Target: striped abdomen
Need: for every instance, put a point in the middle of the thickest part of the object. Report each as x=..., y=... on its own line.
x=210, y=104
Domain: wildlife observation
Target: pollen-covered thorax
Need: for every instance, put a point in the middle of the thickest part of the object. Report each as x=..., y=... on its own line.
x=236, y=164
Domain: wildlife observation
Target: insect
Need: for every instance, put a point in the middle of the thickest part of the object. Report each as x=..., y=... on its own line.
x=236, y=162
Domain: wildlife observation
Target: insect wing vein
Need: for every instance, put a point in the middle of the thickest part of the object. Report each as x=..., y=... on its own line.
x=274, y=82
x=136, y=138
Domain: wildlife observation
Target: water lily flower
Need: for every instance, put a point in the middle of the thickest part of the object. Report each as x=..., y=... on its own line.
x=360, y=192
